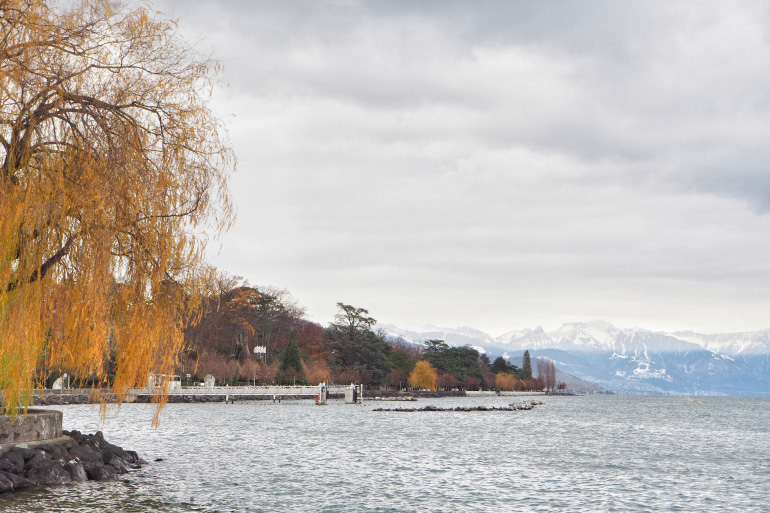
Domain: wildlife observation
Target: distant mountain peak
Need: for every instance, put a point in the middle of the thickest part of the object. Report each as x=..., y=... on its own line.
x=594, y=335
x=632, y=360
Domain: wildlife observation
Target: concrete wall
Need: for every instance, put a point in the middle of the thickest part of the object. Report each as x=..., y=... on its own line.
x=35, y=425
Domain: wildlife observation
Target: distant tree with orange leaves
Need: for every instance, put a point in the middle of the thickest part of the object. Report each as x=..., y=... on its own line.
x=447, y=381
x=423, y=376
x=505, y=381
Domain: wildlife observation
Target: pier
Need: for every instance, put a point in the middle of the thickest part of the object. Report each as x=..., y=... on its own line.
x=351, y=393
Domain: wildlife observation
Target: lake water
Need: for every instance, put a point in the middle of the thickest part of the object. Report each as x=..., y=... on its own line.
x=590, y=453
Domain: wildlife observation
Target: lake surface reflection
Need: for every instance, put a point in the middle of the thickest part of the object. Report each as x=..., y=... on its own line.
x=592, y=453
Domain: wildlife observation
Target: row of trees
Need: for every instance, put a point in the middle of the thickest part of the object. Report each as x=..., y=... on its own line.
x=443, y=365
x=241, y=317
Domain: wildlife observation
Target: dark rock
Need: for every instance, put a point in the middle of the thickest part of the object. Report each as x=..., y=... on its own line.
x=24, y=452
x=6, y=485
x=87, y=454
x=134, y=456
x=86, y=457
x=74, y=434
x=118, y=464
x=6, y=465
x=110, y=452
x=76, y=470
x=12, y=462
x=35, y=460
x=49, y=472
x=18, y=481
x=59, y=451
x=99, y=471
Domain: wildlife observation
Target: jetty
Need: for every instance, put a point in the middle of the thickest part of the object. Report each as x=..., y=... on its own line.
x=524, y=405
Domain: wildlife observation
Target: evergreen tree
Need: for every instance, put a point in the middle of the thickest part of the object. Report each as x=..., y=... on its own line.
x=500, y=365
x=526, y=366
x=356, y=348
x=461, y=362
x=291, y=365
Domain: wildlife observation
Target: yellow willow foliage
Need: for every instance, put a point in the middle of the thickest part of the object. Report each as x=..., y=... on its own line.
x=505, y=381
x=423, y=376
x=112, y=171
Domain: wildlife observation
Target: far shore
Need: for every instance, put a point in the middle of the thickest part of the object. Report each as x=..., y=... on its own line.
x=189, y=394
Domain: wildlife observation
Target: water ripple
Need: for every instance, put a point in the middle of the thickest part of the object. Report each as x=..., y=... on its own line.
x=603, y=453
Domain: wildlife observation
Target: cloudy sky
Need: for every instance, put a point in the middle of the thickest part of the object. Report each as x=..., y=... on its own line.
x=499, y=165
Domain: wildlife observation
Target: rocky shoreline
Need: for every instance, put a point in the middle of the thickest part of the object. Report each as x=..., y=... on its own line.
x=69, y=458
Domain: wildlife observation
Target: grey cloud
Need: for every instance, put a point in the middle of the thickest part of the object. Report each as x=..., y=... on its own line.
x=579, y=158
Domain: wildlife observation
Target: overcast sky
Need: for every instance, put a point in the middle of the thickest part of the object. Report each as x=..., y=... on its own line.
x=499, y=165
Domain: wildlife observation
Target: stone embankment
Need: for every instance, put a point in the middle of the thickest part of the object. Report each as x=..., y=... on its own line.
x=77, y=398
x=524, y=405
x=69, y=458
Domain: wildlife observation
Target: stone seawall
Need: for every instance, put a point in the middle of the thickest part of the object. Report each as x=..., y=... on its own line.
x=35, y=425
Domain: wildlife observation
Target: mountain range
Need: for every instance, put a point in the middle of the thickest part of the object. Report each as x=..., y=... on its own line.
x=629, y=360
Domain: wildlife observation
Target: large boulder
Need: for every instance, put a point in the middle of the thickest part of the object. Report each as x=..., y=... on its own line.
x=35, y=460
x=86, y=454
x=12, y=461
x=118, y=464
x=110, y=452
x=99, y=471
x=49, y=472
x=5, y=484
x=24, y=452
x=76, y=470
x=18, y=481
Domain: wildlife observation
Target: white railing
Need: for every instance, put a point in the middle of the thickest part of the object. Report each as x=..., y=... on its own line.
x=269, y=390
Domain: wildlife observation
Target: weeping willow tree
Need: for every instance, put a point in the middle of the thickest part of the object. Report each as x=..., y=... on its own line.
x=113, y=177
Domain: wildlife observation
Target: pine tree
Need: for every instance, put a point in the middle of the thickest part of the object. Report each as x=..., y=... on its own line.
x=291, y=365
x=526, y=367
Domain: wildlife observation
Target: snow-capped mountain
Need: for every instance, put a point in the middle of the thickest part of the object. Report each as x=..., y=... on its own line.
x=754, y=342
x=596, y=336
x=455, y=337
x=632, y=360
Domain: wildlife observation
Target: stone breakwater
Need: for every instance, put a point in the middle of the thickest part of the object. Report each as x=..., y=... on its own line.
x=69, y=458
x=524, y=405
x=59, y=399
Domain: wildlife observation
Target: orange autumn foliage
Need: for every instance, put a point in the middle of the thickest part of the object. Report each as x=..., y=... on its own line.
x=423, y=376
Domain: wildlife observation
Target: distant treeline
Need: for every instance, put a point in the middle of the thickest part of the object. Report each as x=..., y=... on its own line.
x=239, y=318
